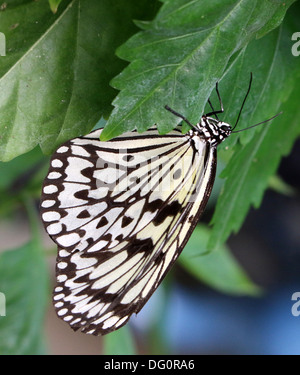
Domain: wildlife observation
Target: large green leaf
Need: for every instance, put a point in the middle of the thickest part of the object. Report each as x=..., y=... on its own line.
x=249, y=170
x=180, y=56
x=218, y=269
x=54, y=79
x=248, y=173
x=23, y=281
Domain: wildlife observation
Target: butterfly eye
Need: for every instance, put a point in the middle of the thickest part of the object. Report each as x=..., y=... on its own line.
x=225, y=128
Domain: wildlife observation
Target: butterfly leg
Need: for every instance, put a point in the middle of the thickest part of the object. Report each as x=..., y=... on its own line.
x=178, y=115
x=214, y=113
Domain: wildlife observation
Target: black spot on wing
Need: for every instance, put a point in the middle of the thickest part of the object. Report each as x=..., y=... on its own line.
x=177, y=174
x=169, y=210
x=81, y=232
x=88, y=172
x=128, y=157
x=83, y=214
x=191, y=218
x=106, y=237
x=102, y=222
x=154, y=205
x=82, y=194
x=126, y=221
x=138, y=245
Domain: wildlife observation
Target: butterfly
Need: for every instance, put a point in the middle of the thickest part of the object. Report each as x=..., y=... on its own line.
x=121, y=211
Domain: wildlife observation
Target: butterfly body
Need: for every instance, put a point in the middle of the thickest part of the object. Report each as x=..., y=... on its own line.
x=121, y=212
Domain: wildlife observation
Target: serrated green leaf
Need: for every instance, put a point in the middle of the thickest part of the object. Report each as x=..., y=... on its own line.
x=180, y=56
x=277, y=16
x=252, y=164
x=218, y=269
x=247, y=174
x=23, y=281
x=246, y=180
x=119, y=342
x=54, y=79
x=276, y=67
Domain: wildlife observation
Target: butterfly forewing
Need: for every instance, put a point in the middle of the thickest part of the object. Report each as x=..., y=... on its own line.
x=121, y=212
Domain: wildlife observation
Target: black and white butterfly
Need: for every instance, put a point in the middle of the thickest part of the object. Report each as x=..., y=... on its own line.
x=121, y=212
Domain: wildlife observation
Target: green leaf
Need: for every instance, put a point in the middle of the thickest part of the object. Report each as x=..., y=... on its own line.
x=277, y=184
x=218, y=269
x=178, y=58
x=119, y=342
x=54, y=79
x=249, y=170
x=23, y=280
x=54, y=5
x=16, y=168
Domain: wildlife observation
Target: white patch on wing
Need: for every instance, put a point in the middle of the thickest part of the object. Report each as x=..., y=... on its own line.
x=82, y=262
x=134, y=291
x=62, y=312
x=110, y=322
x=56, y=163
x=98, y=246
x=57, y=297
x=99, y=193
x=67, y=196
x=54, y=229
x=151, y=282
x=74, y=170
x=51, y=216
x=116, y=286
x=62, y=149
x=54, y=175
x=48, y=203
x=104, y=317
x=50, y=189
x=95, y=310
x=62, y=278
x=68, y=239
x=107, y=175
x=79, y=151
x=121, y=321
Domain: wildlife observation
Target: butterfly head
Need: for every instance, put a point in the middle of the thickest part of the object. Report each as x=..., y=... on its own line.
x=214, y=131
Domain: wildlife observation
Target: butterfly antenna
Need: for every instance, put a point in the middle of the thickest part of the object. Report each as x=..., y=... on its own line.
x=238, y=118
x=237, y=131
x=179, y=115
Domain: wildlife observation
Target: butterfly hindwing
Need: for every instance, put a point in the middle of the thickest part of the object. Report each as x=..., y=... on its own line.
x=121, y=212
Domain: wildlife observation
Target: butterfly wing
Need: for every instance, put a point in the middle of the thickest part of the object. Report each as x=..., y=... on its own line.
x=121, y=212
